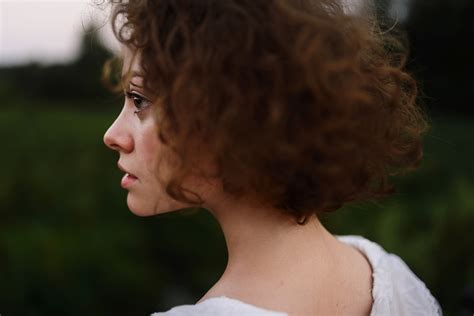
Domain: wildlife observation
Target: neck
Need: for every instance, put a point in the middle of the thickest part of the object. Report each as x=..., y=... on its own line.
x=264, y=244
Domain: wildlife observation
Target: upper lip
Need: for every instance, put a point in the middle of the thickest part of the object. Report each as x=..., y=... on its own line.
x=124, y=170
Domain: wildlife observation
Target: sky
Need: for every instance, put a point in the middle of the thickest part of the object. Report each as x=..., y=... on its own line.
x=48, y=31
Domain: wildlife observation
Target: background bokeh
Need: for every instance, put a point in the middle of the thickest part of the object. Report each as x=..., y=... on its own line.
x=70, y=246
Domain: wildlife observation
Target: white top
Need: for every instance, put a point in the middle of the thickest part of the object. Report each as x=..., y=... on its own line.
x=396, y=290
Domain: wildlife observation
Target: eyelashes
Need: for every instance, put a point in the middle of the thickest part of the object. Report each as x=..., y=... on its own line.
x=139, y=101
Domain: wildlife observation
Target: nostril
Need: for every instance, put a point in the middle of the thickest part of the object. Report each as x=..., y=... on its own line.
x=108, y=141
x=112, y=145
x=118, y=142
x=118, y=136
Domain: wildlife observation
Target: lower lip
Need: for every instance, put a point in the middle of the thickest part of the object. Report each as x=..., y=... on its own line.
x=128, y=180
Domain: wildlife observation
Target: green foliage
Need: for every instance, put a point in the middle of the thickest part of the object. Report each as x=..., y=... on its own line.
x=70, y=246
x=68, y=243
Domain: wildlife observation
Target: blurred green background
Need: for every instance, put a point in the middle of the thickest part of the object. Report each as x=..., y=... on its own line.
x=70, y=246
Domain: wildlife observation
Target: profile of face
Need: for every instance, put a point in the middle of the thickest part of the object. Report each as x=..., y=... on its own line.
x=143, y=157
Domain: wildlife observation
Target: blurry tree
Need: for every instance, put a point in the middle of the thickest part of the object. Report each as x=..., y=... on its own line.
x=441, y=34
x=77, y=81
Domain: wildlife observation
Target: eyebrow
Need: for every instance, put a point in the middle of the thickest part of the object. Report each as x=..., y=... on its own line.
x=135, y=85
x=133, y=75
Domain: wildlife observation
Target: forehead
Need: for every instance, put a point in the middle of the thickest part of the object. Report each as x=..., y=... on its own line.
x=131, y=63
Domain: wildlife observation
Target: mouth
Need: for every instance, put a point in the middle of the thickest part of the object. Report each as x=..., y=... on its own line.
x=128, y=179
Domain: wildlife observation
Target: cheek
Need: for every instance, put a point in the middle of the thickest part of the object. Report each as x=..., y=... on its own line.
x=150, y=150
x=153, y=155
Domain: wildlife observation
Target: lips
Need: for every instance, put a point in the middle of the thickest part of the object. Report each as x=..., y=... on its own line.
x=128, y=179
x=127, y=173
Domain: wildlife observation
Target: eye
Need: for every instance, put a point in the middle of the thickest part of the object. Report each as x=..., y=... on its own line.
x=139, y=101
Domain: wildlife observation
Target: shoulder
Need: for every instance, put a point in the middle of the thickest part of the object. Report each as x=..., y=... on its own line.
x=219, y=306
x=396, y=289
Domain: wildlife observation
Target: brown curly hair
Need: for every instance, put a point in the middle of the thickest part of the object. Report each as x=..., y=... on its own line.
x=298, y=102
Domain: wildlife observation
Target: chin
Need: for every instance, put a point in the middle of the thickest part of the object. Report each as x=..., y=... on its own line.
x=147, y=207
x=139, y=207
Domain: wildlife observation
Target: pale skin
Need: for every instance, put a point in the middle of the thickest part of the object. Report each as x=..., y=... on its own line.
x=273, y=263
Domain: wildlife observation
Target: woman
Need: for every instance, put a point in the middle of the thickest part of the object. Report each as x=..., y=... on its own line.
x=269, y=114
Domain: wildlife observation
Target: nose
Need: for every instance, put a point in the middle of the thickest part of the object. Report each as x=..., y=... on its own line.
x=118, y=137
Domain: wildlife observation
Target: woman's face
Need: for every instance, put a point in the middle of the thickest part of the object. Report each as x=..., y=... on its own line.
x=134, y=135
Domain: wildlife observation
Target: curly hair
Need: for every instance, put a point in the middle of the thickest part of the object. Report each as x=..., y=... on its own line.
x=298, y=103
